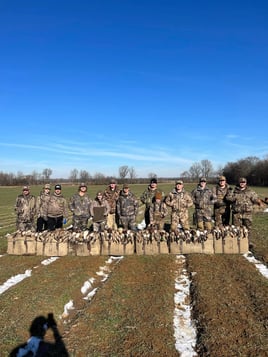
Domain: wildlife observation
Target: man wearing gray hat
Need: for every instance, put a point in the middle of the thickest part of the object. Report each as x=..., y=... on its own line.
x=79, y=205
x=179, y=201
x=204, y=200
x=222, y=205
x=41, y=201
x=25, y=210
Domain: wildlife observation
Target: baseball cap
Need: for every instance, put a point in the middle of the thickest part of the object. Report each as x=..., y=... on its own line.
x=222, y=178
x=202, y=179
x=82, y=184
x=57, y=187
x=25, y=188
x=126, y=185
x=179, y=182
x=243, y=179
x=47, y=185
x=153, y=180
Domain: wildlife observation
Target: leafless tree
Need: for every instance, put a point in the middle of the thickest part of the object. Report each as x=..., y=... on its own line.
x=73, y=175
x=132, y=173
x=46, y=174
x=123, y=171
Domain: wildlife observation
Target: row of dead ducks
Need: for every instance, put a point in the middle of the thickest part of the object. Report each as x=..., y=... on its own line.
x=124, y=237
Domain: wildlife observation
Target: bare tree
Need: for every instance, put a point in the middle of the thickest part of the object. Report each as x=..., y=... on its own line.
x=73, y=175
x=207, y=168
x=46, y=174
x=123, y=171
x=195, y=170
x=132, y=173
x=84, y=176
x=152, y=175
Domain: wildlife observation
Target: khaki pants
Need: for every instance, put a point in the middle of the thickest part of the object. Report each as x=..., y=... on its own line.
x=111, y=221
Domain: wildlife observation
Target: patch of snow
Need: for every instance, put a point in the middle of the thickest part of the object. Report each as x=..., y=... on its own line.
x=185, y=333
x=261, y=267
x=14, y=280
x=49, y=260
x=265, y=210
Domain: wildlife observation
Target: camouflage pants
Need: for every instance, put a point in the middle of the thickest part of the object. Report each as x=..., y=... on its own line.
x=25, y=225
x=222, y=216
x=203, y=219
x=99, y=226
x=80, y=223
x=128, y=222
x=240, y=220
x=181, y=218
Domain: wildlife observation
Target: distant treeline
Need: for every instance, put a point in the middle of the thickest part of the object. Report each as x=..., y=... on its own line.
x=253, y=168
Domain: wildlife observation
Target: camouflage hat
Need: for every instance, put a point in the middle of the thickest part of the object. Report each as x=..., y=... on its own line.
x=179, y=182
x=47, y=185
x=99, y=193
x=222, y=178
x=202, y=179
x=243, y=179
x=25, y=188
x=113, y=181
x=57, y=187
x=82, y=184
x=126, y=185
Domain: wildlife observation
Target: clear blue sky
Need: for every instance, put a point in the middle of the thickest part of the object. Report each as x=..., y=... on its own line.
x=153, y=84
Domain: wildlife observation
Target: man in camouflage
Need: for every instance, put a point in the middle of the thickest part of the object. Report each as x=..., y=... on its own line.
x=25, y=210
x=41, y=201
x=203, y=199
x=147, y=198
x=99, y=209
x=158, y=211
x=79, y=205
x=127, y=208
x=243, y=200
x=222, y=205
x=56, y=210
x=111, y=194
x=179, y=201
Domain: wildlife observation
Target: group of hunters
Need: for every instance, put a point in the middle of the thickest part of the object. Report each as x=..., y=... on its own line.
x=114, y=207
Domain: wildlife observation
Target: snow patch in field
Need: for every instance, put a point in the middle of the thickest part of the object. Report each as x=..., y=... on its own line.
x=14, y=280
x=49, y=260
x=87, y=288
x=261, y=267
x=185, y=333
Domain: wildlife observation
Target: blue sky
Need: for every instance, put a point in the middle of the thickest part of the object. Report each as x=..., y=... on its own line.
x=155, y=85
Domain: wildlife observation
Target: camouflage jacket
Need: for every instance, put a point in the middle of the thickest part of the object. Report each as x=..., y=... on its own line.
x=157, y=211
x=243, y=200
x=203, y=198
x=41, y=202
x=80, y=205
x=148, y=195
x=56, y=206
x=25, y=207
x=96, y=203
x=111, y=196
x=179, y=201
x=221, y=194
x=127, y=205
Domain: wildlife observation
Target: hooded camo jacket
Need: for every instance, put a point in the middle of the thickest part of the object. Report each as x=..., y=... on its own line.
x=56, y=206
